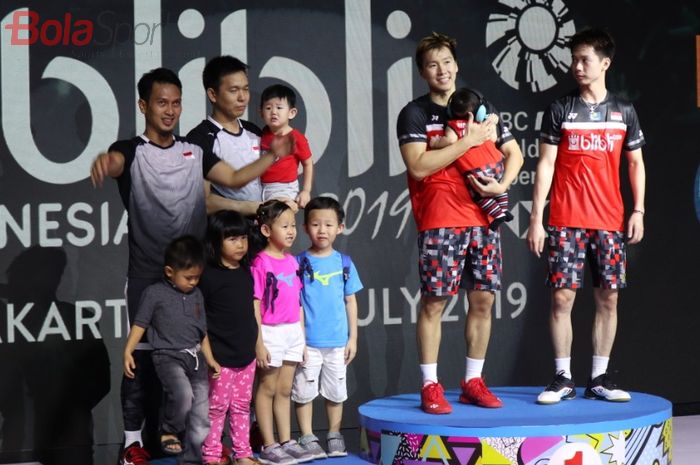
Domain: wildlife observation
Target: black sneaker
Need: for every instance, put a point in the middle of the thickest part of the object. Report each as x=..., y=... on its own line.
x=561, y=388
x=602, y=388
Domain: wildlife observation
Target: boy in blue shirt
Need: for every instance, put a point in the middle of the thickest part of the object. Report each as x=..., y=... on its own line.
x=330, y=320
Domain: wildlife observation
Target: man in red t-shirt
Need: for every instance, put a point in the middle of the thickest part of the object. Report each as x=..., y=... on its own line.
x=583, y=137
x=453, y=233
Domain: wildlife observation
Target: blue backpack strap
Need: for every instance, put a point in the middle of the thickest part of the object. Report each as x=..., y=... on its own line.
x=346, y=266
x=305, y=267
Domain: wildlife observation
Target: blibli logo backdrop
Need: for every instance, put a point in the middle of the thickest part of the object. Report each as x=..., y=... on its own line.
x=68, y=74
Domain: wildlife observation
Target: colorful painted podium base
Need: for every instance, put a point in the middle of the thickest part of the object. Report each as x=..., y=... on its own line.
x=394, y=431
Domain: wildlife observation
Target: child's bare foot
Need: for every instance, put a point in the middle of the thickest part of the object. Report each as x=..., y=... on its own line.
x=247, y=461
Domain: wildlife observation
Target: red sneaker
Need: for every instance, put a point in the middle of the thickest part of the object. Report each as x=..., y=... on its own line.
x=134, y=454
x=475, y=392
x=432, y=399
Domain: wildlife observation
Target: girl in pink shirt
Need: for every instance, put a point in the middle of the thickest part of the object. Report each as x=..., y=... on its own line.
x=281, y=342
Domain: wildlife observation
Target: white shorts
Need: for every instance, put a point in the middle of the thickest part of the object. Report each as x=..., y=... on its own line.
x=280, y=190
x=330, y=365
x=285, y=342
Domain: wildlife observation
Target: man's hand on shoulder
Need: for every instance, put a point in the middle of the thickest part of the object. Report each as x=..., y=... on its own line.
x=281, y=146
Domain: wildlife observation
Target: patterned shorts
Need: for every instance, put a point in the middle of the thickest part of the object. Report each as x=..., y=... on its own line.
x=570, y=248
x=442, y=255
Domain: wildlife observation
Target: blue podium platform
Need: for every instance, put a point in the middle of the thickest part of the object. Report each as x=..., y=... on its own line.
x=394, y=431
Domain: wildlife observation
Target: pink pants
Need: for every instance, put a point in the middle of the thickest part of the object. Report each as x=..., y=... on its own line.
x=231, y=393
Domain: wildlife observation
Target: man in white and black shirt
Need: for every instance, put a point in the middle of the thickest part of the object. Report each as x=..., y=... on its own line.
x=234, y=140
x=161, y=182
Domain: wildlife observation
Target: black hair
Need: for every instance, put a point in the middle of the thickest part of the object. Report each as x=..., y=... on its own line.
x=157, y=75
x=218, y=67
x=220, y=225
x=600, y=39
x=463, y=101
x=184, y=253
x=324, y=203
x=281, y=92
x=266, y=214
x=435, y=41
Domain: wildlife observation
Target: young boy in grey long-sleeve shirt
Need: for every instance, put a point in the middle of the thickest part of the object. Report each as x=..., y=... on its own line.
x=172, y=312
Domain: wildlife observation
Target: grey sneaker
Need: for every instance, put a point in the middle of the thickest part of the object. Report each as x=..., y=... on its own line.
x=295, y=450
x=336, y=445
x=274, y=454
x=312, y=445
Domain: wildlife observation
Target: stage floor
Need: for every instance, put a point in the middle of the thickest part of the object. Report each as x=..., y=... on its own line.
x=395, y=431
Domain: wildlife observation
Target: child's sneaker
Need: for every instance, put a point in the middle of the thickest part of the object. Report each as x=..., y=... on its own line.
x=475, y=392
x=561, y=388
x=300, y=454
x=336, y=445
x=134, y=454
x=275, y=455
x=432, y=399
x=312, y=445
x=602, y=388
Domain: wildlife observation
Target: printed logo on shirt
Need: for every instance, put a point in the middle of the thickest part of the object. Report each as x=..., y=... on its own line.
x=324, y=279
x=288, y=279
x=571, y=115
x=584, y=142
x=615, y=116
x=188, y=154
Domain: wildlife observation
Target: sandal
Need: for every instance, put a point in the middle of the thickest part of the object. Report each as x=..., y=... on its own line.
x=171, y=446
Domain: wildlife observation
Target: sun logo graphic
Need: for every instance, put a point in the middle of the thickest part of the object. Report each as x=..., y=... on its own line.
x=530, y=38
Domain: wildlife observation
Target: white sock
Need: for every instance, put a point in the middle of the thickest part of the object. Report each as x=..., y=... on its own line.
x=600, y=366
x=131, y=437
x=429, y=372
x=563, y=364
x=473, y=368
